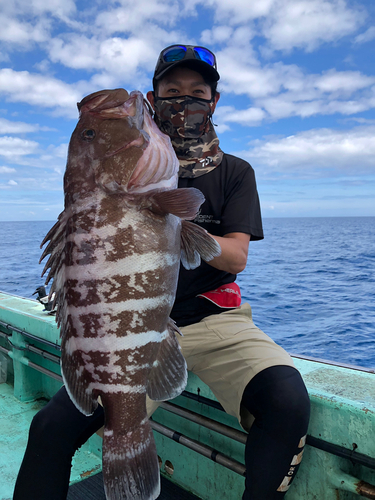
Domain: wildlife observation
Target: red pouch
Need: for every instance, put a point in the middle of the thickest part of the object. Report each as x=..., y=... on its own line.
x=226, y=296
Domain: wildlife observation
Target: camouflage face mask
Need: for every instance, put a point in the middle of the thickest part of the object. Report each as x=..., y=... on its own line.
x=183, y=116
x=187, y=121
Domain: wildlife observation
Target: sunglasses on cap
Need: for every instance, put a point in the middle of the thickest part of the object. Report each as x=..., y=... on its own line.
x=191, y=55
x=179, y=52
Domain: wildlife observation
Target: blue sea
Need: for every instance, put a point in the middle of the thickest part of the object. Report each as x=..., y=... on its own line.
x=310, y=282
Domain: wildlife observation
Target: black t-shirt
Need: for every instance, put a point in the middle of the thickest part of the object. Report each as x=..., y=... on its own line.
x=231, y=205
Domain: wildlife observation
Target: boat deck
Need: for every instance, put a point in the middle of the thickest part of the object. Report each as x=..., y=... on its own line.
x=339, y=459
x=15, y=418
x=92, y=489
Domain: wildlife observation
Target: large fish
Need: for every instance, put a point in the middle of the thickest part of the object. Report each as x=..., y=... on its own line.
x=114, y=259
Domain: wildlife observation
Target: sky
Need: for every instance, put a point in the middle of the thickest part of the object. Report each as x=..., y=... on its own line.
x=297, y=92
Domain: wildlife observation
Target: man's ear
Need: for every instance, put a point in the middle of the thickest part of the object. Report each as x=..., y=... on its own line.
x=150, y=98
x=216, y=98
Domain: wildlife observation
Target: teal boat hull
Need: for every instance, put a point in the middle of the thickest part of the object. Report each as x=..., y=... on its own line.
x=339, y=459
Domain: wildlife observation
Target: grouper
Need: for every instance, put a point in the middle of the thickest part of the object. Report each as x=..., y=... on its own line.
x=114, y=257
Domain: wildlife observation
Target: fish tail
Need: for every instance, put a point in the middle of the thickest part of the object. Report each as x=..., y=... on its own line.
x=130, y=464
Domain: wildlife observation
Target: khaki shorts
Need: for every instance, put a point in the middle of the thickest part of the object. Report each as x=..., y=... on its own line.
x=226, y=351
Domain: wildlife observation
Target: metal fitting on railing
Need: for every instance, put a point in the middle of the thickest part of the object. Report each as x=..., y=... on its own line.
x=345, y=482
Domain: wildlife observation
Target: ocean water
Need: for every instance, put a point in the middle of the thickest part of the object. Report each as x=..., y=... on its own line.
x=310, y=282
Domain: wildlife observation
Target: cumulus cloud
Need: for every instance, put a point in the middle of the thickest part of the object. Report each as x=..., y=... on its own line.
x=288, y=24
x=309, y=23
x=118, y=55
x=7, y=170
x=114, y=60
x=367, y=36
x=237, y=11
x=36, y=8
x=40, y=90
x=247, y=117
x=9, y=127
x=22, y=33
x=282, y=91
x=315, y=153
x=132, y=16
x=13, y=147
x=25, y=23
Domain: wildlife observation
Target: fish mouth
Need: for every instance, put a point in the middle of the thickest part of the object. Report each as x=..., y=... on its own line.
x=119, y=105
x=132, y=108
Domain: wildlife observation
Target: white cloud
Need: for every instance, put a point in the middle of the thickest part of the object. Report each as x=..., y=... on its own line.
x=282, y=91
x=9, y=127
x=116, y=60
x=12, y=183
x=133, y=16
x=13, y=147
x=25, y=23
x=7, y=170
x=41, y=90
x=309, y=23
x=238, y=11
x=36, y=8
x=288, y=24
x=343, y=82
x=248, y=117
x=315, y=153
x=367, y=36
x=218, y=34
x=22, y=33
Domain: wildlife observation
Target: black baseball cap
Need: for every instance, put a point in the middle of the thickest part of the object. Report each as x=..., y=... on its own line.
x=194, y=57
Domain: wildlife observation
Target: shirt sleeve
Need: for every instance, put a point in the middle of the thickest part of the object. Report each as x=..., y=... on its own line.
x=241, y=210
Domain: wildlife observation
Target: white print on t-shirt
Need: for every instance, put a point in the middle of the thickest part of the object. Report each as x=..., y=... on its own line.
x=205, y=219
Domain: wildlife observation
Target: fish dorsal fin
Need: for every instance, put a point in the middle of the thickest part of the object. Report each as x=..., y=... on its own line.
x=168, y=376
x=56, y=238
x=196, y=243
x=182, y=202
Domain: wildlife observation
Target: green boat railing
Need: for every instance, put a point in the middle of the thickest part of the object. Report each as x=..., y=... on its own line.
x=339, y=459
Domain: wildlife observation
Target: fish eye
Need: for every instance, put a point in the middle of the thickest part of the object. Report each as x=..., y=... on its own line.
x=88, y=134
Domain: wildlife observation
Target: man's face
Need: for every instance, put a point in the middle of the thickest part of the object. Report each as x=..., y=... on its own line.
x=182, y=81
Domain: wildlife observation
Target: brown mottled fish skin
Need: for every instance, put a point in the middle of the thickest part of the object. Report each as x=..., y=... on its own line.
x=114, y=260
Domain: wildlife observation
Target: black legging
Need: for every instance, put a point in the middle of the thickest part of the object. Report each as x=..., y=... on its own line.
x=276, y=397
x=56, y=432
x=278, y=400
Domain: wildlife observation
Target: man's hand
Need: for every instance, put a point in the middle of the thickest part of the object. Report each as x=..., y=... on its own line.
x=234, y=250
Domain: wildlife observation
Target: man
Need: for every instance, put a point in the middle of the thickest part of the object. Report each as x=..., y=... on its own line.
x=252, y=377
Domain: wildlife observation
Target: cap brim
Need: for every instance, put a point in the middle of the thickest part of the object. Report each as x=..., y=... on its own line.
x=207, y=71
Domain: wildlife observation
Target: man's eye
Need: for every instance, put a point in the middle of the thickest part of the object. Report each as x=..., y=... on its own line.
x=88, y=134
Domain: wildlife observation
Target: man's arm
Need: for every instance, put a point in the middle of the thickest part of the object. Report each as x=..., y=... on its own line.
x=234, y=250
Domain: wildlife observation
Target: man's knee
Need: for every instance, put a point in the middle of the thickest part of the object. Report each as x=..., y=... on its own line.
x=278, y=391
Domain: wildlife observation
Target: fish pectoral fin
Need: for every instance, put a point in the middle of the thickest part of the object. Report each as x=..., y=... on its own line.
x=130, y=463
x=182, y=202
x=168, y=376
x=196, y=243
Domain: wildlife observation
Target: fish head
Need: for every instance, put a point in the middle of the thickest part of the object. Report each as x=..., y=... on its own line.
x=117, y=146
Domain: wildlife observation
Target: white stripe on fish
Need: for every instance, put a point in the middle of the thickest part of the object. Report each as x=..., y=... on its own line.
x=101, y=268
x=110, y=388
x=113, y=308
x=112, y=342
